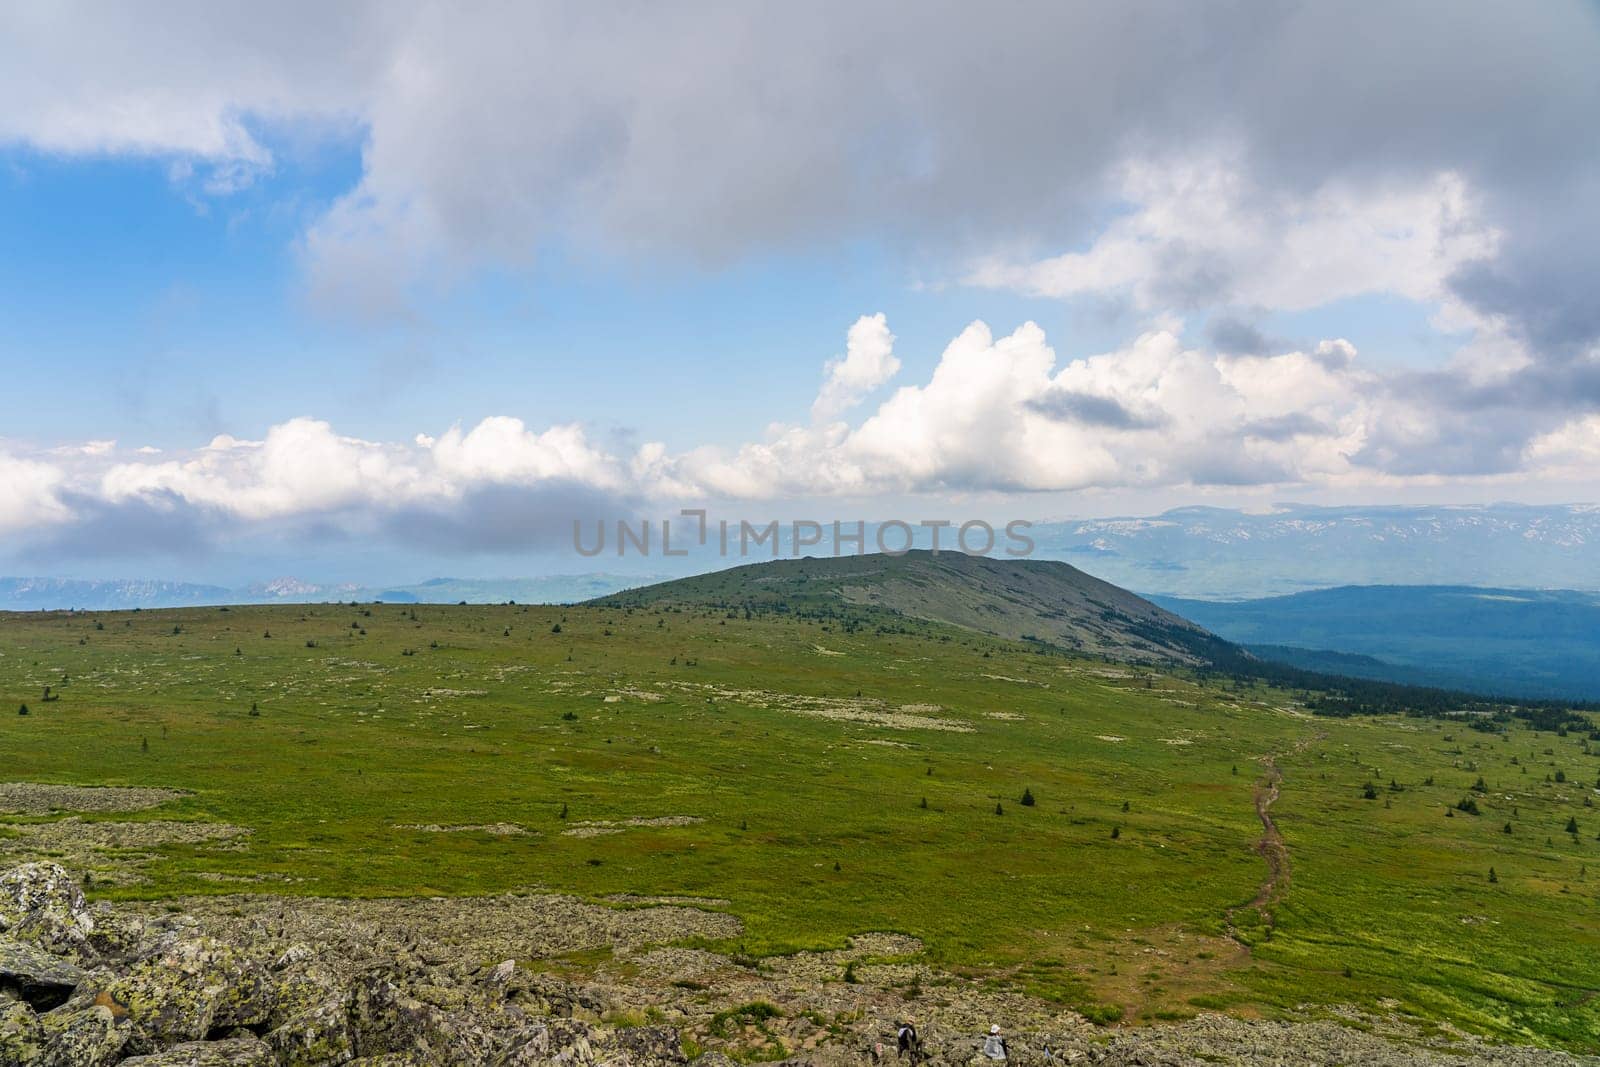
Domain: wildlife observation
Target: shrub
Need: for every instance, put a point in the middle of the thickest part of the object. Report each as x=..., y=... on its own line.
x=1027, y=797
x=756, y=1012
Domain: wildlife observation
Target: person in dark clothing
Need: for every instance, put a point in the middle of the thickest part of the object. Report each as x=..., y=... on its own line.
x=907, y=1043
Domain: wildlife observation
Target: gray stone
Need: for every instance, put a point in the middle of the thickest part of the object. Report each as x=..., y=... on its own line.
x=88, y=1037
x=34, y=976
x=316, y=1036
x=43, y=903
x=190, y=986
x=234, y=1052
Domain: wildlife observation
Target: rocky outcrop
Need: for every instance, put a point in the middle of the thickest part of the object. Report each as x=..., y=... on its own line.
x=264, y=982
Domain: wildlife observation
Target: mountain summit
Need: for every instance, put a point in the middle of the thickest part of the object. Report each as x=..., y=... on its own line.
x=1036, y=600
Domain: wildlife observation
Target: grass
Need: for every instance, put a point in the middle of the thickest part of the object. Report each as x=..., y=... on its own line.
x=374, y=718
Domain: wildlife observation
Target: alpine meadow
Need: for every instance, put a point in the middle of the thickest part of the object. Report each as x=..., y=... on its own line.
x=1130, y=840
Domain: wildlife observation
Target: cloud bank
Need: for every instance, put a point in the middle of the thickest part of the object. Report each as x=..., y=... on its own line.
x=997, y=415
x=1268, y=153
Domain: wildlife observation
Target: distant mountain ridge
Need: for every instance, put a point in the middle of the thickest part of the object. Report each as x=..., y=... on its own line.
x=1043, y=600
x=59, y=594
x=49, y=594
x=1227, y=554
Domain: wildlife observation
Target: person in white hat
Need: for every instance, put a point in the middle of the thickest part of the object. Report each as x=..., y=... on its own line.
x=994, y=1046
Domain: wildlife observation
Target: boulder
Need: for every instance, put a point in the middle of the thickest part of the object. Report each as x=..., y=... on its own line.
x=188, y=987
x=34, y=976
x=234, y=1052
x=383, y=1020
x=554, y=1041
x=87, y=1037
x=643, y=1045
x=43, y=904
x=302, y=986
x=21, y=1033
x=316, y=1036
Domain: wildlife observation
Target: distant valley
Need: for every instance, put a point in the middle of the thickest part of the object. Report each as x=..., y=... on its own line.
x=1515, y=642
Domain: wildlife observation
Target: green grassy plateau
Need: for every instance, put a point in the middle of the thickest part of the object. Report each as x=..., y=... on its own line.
x=806, y=748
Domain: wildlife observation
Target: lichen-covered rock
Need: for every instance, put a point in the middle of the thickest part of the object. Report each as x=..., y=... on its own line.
x=554, y=1041
x=86, y=1037
x=655, y=1046
x=190, y=986
x=302, y=986
x=383, y=1019
x=34, y=976
x=21, y=1033
x=319, y=1035
x=42, y=903
x=233, y=1052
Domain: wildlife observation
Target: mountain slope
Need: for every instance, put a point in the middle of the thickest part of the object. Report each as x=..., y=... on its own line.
x=1532, y=643
x=1038, y=600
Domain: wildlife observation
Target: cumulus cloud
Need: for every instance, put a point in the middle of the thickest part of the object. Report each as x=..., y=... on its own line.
x=29, y=493
x=1204, y=234
x=997, y=415
x=868, y=362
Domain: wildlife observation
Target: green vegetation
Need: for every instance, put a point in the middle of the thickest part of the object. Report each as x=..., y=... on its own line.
x=845, y=773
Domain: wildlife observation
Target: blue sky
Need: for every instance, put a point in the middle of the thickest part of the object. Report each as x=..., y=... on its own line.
x=274, y=284
x=172, y=316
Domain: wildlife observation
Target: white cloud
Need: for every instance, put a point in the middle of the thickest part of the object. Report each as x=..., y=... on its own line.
x=302, y=467
x=997, y=415
x=1205, y=233
x=869, y=361
x=501, y=449
x=29, y=493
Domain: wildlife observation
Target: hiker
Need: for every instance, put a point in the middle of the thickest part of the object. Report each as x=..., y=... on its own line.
x=994, y=1046
x=907, y=1043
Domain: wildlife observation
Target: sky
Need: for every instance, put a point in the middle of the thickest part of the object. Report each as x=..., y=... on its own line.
x=373, y=292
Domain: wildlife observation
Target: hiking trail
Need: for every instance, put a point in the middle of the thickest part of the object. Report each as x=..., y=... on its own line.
x=1270, y=845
